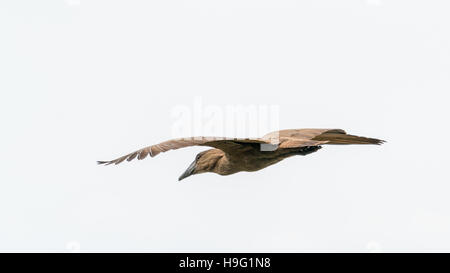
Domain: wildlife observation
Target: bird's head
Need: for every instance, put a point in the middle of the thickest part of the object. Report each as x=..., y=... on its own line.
x=204, y=162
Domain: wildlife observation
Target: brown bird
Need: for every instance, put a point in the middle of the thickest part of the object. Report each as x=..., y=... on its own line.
x=232, y=155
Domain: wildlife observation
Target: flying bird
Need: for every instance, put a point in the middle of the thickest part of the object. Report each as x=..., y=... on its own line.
x=232, y=155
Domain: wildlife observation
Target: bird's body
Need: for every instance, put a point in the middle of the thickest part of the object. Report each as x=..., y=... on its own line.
x=232, y=155
x=253, y=159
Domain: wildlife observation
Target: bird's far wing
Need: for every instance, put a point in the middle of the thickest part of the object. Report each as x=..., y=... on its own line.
x=222, y=143
x=325, y=136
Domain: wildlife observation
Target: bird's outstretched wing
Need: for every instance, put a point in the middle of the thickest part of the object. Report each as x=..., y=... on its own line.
x=225, y=144
x=293, y=138
x=284, y=139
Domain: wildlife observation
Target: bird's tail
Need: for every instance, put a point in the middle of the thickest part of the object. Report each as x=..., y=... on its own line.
x=337, y=138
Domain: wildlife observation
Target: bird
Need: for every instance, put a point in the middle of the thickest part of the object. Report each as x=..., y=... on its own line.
x=232, y=155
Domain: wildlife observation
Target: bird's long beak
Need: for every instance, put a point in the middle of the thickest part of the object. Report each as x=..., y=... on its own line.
x=190, y=171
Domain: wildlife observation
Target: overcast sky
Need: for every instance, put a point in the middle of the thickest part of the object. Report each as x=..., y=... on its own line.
x=92, y=80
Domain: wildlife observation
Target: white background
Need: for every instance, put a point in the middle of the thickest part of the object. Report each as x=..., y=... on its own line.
x=83, y=80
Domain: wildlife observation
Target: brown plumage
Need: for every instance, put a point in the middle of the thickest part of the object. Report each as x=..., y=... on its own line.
x=232, y=155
